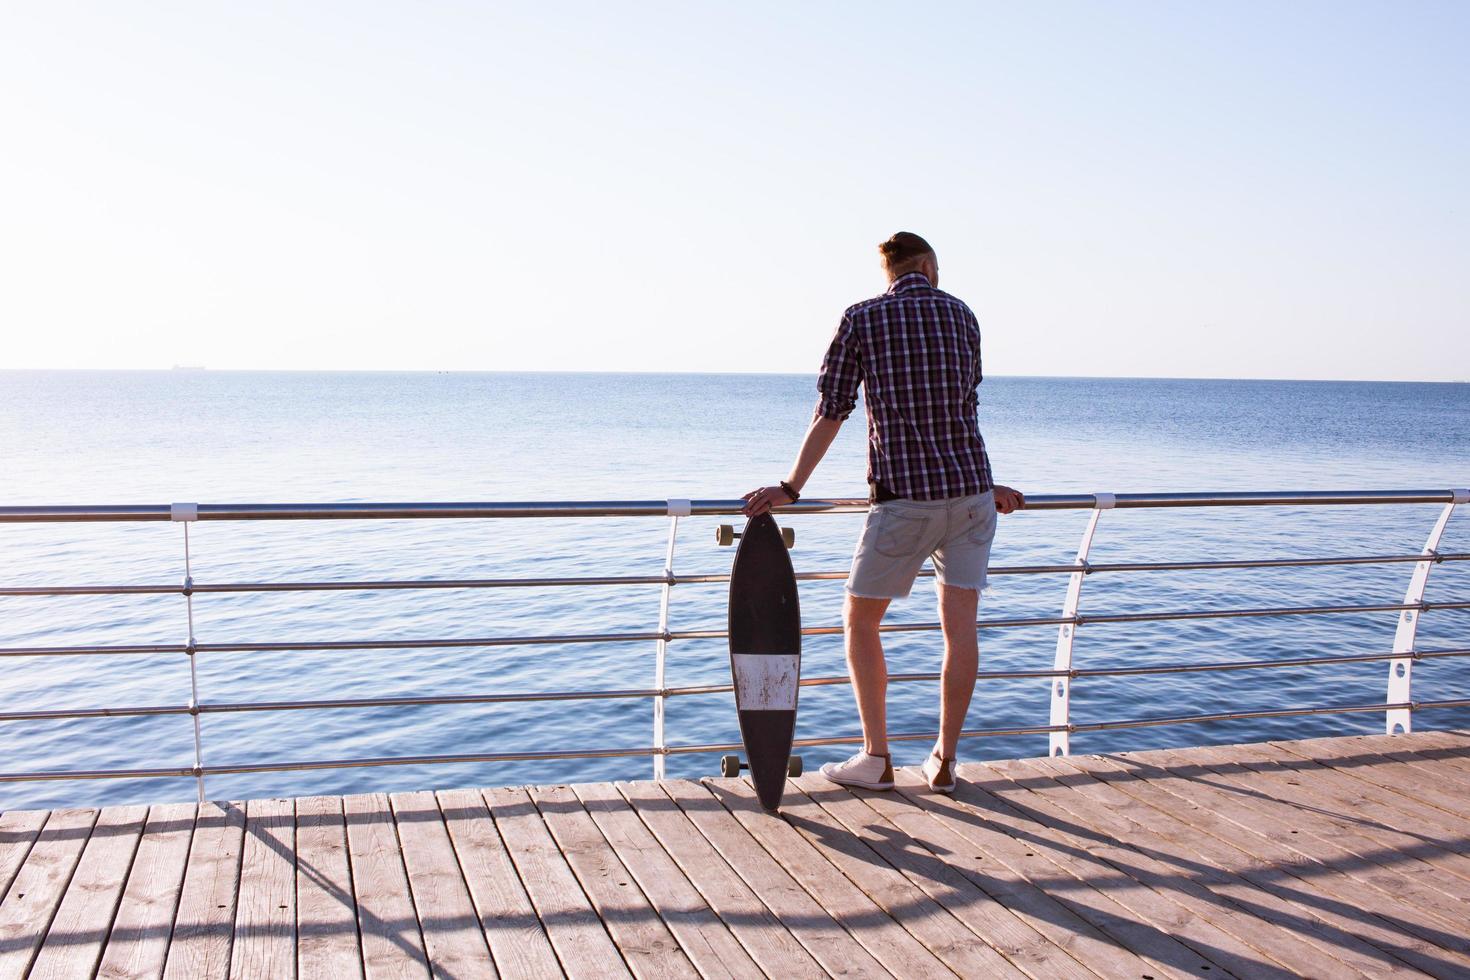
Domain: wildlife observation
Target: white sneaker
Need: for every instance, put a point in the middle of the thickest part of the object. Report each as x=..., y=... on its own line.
x=867, y=771
x=939, y=773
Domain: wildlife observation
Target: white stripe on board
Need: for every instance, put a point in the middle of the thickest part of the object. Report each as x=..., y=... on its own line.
x=766, y=682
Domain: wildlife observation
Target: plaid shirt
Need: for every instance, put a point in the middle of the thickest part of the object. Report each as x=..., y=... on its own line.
x=916, y=351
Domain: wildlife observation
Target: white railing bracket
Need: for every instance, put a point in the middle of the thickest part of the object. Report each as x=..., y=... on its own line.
x=1061, y=691
x=1401, y=669
x=677, y=509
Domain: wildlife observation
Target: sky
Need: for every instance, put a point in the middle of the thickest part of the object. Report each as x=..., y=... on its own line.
x=1251, y=189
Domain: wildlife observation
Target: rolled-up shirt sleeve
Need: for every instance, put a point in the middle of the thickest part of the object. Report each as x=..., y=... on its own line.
x=842, y=372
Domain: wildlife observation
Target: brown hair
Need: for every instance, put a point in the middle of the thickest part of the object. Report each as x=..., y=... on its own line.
x=903, y=248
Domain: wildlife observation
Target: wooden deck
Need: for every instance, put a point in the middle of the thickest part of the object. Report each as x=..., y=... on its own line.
x=1346, y=857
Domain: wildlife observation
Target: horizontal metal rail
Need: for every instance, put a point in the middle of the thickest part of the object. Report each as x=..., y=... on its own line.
x=1348, y=658
x=1401, y=659
x=234, y=707
x=644, y=751
x=412, y=643
x=1337, y=709
x=386, y=585
x=205, y=708
x=661, y=508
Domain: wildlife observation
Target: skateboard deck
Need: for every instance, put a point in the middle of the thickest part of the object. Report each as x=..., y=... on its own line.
x=765, y=654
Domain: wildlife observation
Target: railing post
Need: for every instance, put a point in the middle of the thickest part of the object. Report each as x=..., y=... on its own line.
x=1061, y=687
x=677, y=508
x=1401, y=669
x=187, y=514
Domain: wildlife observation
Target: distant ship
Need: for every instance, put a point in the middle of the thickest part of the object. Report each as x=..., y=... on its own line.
x=188, y=367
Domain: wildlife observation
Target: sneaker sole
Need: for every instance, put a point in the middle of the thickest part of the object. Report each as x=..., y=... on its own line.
x=947, y=789
x=861, y=784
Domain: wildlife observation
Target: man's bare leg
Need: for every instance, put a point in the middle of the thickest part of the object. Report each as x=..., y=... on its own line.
x=957, y=612
x=868, y=669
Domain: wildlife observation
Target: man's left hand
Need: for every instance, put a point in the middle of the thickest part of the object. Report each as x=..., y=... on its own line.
x=759, y=501
x=1007, y=499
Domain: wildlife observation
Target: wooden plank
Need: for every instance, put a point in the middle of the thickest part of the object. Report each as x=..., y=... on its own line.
x=710, y=946
x=265, y=917
x=1343, y=906
x=767, y=941
x=18, y=831
x=576, y=933
x=1376, y=768
x=917, y=858
x=1257, y=945
x=925, y=918
x=453, y=940
x=1089, y=889
x=882, y=936
x=1445, y=760
x=137, y=945
x=1435, y=751
x=1054, y=854
x=648, y=947
x=517, y=942
x=830, y=945
x=78, y=931
x=327, y=943
x=39, y=885
x=1418, y=741
x=1384, y=804
x=392, y=945
x=1321, y=804
x=1455, y=743
x=1379, y=885
x=1447, y=737
x=1178, y=833
x=204, y=927
x=995, y=851
x=1441, y=758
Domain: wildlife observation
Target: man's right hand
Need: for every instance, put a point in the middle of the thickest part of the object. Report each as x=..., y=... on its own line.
x=760, y=500
x=1007, y=499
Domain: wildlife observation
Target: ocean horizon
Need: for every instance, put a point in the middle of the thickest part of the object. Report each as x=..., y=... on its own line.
x=203, y=368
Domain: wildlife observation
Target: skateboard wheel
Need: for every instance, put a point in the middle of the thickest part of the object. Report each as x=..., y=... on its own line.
x=730, y=765
x=788, y=535
x=725, y=535
x=793, y=766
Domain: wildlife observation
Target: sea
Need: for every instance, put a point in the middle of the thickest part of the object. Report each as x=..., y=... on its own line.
x=156, y=437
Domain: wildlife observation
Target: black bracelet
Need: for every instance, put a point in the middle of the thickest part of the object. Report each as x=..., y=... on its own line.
x=790, y=491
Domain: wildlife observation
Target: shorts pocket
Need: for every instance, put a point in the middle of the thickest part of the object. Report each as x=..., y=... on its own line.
x=900, y=535
x=982, y=524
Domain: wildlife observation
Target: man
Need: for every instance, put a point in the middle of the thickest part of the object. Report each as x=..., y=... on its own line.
x=916, y=352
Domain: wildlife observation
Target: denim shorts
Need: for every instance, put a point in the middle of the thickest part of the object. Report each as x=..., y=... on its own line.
x=900, y=534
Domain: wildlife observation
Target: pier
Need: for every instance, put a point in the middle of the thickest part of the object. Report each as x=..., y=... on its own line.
x=1336, y=857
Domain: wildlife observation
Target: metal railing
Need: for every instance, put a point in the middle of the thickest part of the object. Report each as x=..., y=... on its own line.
x=1398, y=704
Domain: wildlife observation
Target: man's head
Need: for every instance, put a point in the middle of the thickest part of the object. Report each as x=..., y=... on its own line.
x=906, y=252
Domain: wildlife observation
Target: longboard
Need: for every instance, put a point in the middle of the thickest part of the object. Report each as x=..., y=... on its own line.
x=765, y=655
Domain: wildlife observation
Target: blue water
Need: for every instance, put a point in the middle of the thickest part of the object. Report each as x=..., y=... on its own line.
x=157, y=437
